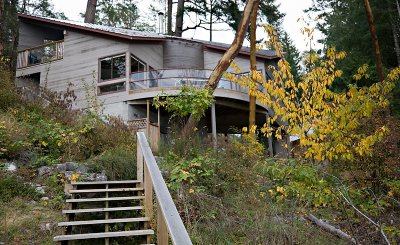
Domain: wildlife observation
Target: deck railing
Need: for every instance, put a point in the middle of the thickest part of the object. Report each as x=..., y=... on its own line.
x=169, y=223
x=170, y=78
x=41, y=54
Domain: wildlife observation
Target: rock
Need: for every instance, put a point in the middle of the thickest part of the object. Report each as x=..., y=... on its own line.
x=44, y=199
x=101, y=177
x=10, y=166
x=83, y=169
x=45, y=170
x=46, y=226
x=40, y=189
x=61, y=167
x=71, y=166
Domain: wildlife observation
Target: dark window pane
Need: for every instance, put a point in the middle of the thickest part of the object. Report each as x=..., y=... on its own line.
x=105, y=66
x=112, y=88
x=142, y=67
x=134, y=65
x=118, y=68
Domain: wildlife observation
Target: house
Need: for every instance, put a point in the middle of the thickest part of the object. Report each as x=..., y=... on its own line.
x=127, y=68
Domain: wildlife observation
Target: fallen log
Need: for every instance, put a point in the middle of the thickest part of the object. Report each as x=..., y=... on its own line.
x=330, y=228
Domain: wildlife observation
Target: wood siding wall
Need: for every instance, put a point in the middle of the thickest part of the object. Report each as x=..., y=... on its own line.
x=31, y=35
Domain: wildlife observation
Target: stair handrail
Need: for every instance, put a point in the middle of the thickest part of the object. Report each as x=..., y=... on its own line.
x=168, y=219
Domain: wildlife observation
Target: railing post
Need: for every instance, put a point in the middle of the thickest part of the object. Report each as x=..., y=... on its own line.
x=148, y=193
x=139, y=156
x=162, y=231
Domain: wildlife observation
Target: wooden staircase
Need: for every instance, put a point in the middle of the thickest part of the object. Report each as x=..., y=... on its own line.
x=113, y=209
x=123, y=210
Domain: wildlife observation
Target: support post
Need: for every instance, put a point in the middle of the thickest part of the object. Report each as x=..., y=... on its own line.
x=214, y=125
x=162, y=232
x=139, y=172
x=148, y=193
x=148, y=120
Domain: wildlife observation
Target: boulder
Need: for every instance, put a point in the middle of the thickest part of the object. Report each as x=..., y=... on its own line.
x=45, y=170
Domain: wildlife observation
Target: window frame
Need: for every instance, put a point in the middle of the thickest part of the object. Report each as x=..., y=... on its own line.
x=100, y=80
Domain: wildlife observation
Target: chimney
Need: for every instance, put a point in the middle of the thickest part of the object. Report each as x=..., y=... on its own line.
x=160, y=22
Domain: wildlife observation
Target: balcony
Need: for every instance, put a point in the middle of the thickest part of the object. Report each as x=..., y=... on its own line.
x=172, y=78
x=40, y=54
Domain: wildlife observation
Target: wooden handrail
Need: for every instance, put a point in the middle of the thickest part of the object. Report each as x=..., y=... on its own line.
x=168, y=219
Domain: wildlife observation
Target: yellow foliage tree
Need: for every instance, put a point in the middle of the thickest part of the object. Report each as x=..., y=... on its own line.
x=327, y=123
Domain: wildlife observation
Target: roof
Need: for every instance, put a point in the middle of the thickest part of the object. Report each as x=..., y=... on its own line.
x=135, y=35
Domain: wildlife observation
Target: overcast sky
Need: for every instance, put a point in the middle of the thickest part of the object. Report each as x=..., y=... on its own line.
x=292, y=8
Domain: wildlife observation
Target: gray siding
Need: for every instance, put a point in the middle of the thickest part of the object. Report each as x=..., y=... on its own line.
x=179, y=54
x=151, y=54
x=31, y=35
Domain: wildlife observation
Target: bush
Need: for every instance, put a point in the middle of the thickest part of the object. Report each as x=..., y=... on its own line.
x=11, y=187
x=8, y=94
x=12, y=136
x=119, y=163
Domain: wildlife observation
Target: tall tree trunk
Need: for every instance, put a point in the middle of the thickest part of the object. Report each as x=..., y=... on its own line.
x=396, y=36
x=179, y=18
x=169, y=17
x=1, y=27
x=253, y=65
x=226, y=59
x=375, y=42
x=90, y=13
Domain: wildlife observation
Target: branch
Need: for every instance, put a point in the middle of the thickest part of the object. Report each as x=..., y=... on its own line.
x=330, y=228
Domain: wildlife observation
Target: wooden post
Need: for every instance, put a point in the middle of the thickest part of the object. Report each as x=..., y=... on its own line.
x=107, y=227
x=162, y=232
x=148, y=193
x=139, y=156
x=148, y=120
x=214, y=125
x=128, y=70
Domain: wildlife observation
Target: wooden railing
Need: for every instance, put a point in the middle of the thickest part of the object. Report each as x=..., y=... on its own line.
x=41, y=54
x=169, y=223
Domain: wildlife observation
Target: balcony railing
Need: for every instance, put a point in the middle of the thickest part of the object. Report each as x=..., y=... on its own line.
x=170, y=78
x=41, y=54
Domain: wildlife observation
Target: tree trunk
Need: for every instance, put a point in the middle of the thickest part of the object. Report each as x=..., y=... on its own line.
x=179, y=18
x=375, y=42
x=396, y=36
x=233, y=50
x=169, y=17
x=226, y=59
x=1, y=27
x=253, y=65
x=90, y=13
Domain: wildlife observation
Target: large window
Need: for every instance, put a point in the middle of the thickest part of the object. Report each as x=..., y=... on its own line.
x=137, y=68
x=112, y=67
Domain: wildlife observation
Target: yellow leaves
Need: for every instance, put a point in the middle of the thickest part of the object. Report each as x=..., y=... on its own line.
x=191, y=190
x=361, y=73
x=75, y=177
x=44, y=143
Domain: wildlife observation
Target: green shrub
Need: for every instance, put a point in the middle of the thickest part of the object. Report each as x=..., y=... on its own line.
x=119, y=163
x=13, y=137
x=8, y=94
x=11, y=187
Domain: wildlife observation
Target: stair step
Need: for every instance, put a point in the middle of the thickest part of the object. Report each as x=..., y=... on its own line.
x=104, y=199
x=112, y=182
x=93, y=210
x=105, y=190
x=103, y=235
x=104, y=221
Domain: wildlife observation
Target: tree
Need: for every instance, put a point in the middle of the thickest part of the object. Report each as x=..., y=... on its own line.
x=253, y=65
x=90, y=14
x=292, y=55
x=40, y=7
x=310, y=105
x=8, y=35
x=375, y=42
x=226, y=59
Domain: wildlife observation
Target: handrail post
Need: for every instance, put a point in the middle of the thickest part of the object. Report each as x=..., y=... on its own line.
x=162, y=230
x=139, y=172
x=148, y=193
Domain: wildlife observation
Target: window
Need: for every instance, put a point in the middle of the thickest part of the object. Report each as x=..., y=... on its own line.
x=117, y=87
x=112, y=67
x=138, y=68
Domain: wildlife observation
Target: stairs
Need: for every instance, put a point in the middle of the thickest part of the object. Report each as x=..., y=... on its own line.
x=106, y=211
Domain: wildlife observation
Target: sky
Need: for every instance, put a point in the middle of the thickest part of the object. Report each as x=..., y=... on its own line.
x=292, y=8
